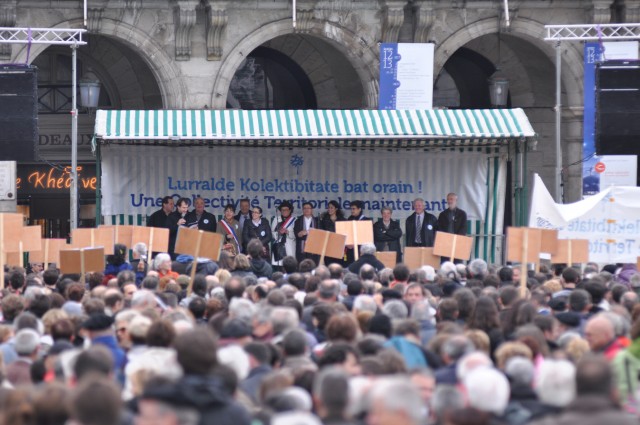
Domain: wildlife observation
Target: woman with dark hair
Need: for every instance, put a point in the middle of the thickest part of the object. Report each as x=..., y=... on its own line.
x=257, y=228
x=485, y=318
x=283, y=233
x=116, y=263
x=329, y=218
x=231, y=232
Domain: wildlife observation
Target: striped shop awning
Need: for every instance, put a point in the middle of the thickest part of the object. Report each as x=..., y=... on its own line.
x=453, y=127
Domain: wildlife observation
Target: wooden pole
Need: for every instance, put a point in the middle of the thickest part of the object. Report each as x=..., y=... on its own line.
x=523, y=264
x=453, y=247
x=20, y=254
x=194, y=263
x=324, y=247
x=356, y=253
x=150, y=246
x=82, y=268
x=46, y=254
x=569, y=254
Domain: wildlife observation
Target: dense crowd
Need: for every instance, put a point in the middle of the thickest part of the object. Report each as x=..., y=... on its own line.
x=313, y=344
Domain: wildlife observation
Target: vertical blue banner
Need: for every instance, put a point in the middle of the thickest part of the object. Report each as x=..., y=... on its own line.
x=590, y=178
x=388, y=75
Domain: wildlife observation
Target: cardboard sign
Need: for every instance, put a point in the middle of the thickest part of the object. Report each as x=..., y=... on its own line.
x=518, y=250
x=357, y=232
x=416, y=257
x=122, y=234
x=388, y=258
x=452, y=246
x=325, y=244
x=549, y=241
x=49, y=251
x=14, y=259
x=198, y=243
x=82, y=260
x=30, y=237
x=571, y=251
x=10, y=232
x=156, y=238
x=90, y=238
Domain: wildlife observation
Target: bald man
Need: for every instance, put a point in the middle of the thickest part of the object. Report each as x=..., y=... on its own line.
x=600, y=334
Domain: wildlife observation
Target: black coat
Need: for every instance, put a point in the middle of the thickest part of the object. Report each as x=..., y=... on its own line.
x=325, y=222
x=207, y=221
x=388, y=239
x=428, y=234
x=170, y=221
x=366, y=259
x=459, y=221
x=298, y=227
x=350, y=251
x=262, y=232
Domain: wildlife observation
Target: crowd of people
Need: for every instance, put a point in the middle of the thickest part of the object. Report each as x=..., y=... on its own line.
x=308, y=343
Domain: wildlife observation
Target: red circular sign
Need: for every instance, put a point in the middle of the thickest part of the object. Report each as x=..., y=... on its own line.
x=600, y=167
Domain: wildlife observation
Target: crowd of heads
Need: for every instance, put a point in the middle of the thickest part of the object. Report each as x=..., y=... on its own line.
x=464, y=344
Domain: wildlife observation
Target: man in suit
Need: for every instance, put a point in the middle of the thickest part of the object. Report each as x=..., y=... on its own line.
x=301, y=229
x=201, y=219
x=244, y=213
x=387, y=234
x=420, y=226
x=453, y=219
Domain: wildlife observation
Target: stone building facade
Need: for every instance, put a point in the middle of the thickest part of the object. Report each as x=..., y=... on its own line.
x=192, y=54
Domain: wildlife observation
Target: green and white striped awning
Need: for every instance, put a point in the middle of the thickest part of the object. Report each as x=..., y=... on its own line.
x=459, y=127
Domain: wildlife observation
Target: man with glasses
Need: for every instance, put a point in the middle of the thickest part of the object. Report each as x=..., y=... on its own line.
x=301, y=228
x=421, y=226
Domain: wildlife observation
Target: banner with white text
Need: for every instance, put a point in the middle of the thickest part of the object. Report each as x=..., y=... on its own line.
x=134, y=179
x=610, y=221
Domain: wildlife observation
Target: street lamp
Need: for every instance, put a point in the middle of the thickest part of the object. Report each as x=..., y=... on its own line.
x=89, y=90
x=498, y=89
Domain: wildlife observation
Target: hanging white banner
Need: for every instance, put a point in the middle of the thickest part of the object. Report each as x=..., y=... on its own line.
x=610, y=221
x=134, y=179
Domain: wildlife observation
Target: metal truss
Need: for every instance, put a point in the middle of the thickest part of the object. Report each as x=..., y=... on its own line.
x=53, y=36
x=592, y=32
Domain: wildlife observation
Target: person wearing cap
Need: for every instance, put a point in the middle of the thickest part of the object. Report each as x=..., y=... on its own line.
x=356, y=215
x=283, y=227
x=99, y=329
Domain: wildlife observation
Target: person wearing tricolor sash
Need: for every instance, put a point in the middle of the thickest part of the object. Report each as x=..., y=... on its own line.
x=230, y=229
x=283, y=233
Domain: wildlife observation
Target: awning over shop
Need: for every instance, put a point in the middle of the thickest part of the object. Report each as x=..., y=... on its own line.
x=405, y=128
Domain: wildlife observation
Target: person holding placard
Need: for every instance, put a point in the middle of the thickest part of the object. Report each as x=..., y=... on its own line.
x=283, y=234
x=328, y=218
x=453, y=219
x=356, y=215
x=257, y=228
x=420, y=226
x=231, y=230
x=164, y=218
x=387, y=233
x=301, y=228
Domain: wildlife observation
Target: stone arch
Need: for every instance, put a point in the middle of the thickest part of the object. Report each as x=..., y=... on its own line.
x=172, y=87
x=532, y=32
x=363, y=59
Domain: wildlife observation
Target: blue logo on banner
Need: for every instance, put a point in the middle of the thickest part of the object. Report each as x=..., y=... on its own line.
x=389, y=83
x=590, y=178
x=297, y=161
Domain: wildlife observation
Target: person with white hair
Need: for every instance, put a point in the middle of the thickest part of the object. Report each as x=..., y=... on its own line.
x=395, y=309
x=478, y=268
x=448, y=271
x=143, y=299
x=471, y=361
x=482, y=382
x=555, y=384
x=364, y=303
x=423, y=313
x=430, y=273
x=139, y=263
x=396, y=401
x=162, y=264
x=241, y=308
x=367, y=256
x=26, y=344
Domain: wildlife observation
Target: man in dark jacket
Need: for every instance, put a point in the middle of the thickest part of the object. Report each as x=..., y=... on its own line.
x=367, y=256
x=199, y=390
x=259, y=266
x=453, y=219
x=357, y=214
x=201, y=219
x=301, y=229
x=420, y=226
x=387, y=234
x=164, y=218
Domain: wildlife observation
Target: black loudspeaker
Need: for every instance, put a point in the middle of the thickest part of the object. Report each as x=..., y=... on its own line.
x=18, y=113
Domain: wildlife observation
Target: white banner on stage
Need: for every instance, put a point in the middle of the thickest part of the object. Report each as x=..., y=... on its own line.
x=610, y=221
x=135, y=178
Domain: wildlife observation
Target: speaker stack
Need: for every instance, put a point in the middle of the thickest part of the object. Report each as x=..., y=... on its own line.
x=18, y=113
